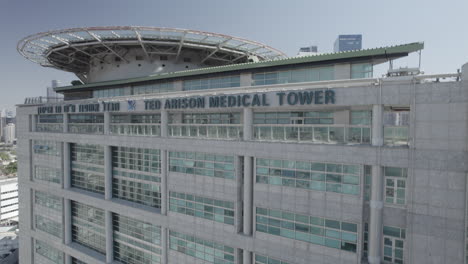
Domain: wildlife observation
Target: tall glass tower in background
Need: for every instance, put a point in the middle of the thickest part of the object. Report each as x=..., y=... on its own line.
x=348, y=42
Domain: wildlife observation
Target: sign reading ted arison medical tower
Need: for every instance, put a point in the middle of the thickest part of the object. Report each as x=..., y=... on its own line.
x=292, y=98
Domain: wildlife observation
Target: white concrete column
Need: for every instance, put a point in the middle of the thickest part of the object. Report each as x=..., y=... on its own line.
x=107, y=121
x=248, y=195
x=164, y=175
x=248, y=204
x=377, y=125
x=164, y=244
x=376, y=215
x=33, y=123
x=248, y=123
x=239, y=205
x=109, y=238
x=107, y=172
x=66, y=165
x=65, y=123
x=67, y=222
x=164, y=122
x=68, y=259
x=247, y=257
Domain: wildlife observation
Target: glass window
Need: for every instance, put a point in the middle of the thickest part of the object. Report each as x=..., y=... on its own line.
x=153, y=88
x=361, y=117
x=207, y=251
x=361, y=70
x=203, y=207
x=50, y=253
x=88, y=227
x=212, y=83
x=44, y=147
x=393, y=246
x=86, y=123
x=77, y=261
x=48, y=225
x=330, y=177
x=294, y=76
x=135, y=241
x=87, y=167
x=49, y=123
x=395, y=185
x=203, y=164
x=47, y=174
x=334, y=234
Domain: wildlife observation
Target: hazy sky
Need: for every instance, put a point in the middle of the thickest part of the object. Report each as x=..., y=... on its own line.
x=283, y=24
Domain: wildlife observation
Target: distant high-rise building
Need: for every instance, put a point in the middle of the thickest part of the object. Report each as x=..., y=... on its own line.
x=348, y=42
x=310, y=50
x=8, y=200
x=52, y=96
x=9, y=133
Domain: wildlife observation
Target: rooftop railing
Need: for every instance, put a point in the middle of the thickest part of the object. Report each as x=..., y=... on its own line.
x=212, y=131
x=132, y=129
x=330, y=134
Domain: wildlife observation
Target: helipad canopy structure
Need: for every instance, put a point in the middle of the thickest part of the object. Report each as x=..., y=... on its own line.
x=77, y=50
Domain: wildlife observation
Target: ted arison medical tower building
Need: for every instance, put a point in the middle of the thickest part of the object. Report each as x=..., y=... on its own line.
x=181, y=146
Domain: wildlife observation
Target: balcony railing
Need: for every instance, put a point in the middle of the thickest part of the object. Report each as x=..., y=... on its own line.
x=331, y=134
x=86, y=128
x=132, y=129
x=396, y=135
x=49, y=127
x=213, y=131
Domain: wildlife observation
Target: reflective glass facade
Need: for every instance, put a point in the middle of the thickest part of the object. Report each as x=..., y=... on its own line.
x=87, y=171
x=315, y=230
x=207, y=251
x=329, y=177
x=202, y=207
x=136, y=242
x=212, y=83
x=50, y=253
x=294, y=76
x=203, y=164
x=135, y=175
x=88, y=227
x=46, y=174
x=44, y=147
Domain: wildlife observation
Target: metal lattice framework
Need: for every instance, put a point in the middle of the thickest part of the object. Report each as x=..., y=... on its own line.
x=74, y=49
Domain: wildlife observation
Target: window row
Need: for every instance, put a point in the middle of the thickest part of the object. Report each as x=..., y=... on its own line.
x=207, y=251
x=315, y=230
x=294, y=76
x=88, y=226
x=136, y=241
x=139, y=159
x=330, y=177
x=212, y=83
x=44, y=147
x=47, y=174
x=202, y=207
x=203, y=164
x=47, y=251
